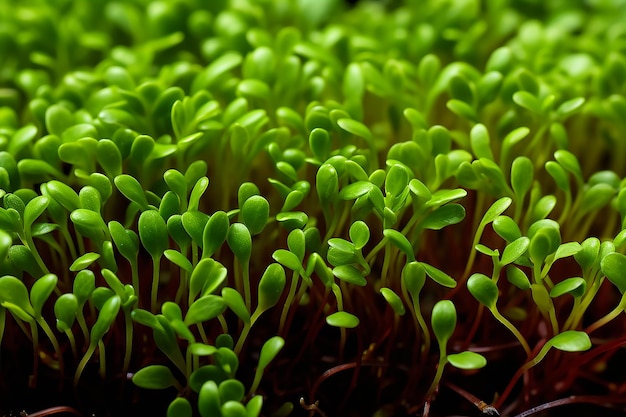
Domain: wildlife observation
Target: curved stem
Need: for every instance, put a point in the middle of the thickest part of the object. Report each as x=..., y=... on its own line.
x=55, y=344
x=128, y=321
x=609, y=317
x=512, y=329
x=155, y=283
x=83, y=363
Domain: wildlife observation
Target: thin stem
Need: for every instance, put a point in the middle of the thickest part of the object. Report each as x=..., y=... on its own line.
x=55, y=344
x=245, y=266
x=128, y=321
x=521, y=371
x=242, y=337
x=288, y=301
x=32, y=383
x=83, y=363
x=103, y=359
x=155, y=283
x=602, y=401
x=609, y=317
x=511, y=328
x=443, y=359
x=72, y=339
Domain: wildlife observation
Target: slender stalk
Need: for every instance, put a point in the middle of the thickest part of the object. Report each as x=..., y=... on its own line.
x=609, y=317
x=55, y=344
x=128, y=322
x=155, y=283
x=83, y=362
x=103, y=360
x=512, y=329
x=288, y=301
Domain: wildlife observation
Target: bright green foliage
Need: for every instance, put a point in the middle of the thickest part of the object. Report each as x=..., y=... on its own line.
x=363, y=167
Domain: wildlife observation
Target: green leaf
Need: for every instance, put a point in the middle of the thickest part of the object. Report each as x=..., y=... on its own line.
x=288, y=259
x=443, y=321
x=201, y=349
x=271, y=286
x=571, y=341
x=467, y=360
x=33, y=210
x=233, y=409
x=480, y=142
x=207, y=276
x=65, y=308
x=155, y=377
x=496, y=209
x=528, y=101
x=84, y=285
x=84, y=261
x=613, y=266
x=355, y=127
x=269, y=351
x=41, y=291
x=359, y=234
x=209, y=400
x=483, y=289
x=194, y=222
x=132, y=190
x=343, y=319
x=89, y=224
x=514, y=250
x=204, y=308
x=543, y=242
x=401, y=242
x=255, y=213
x=109, y=157
x=350, y=274
x=126, y=241
x=522, y=171
x=196, y=193
x=588, y=255
x=254, y=406
x=414, y=276
x=438, y=276
x=153, y=233
x=444, y=216
x=180, y=407
x=506, y=228
x=355, y=190
x=235, y=302
x=397, y=180
x=393, y=300
x=178, y=259
x=13, y=291
x=568, y=161
x=107, y=316
x=214, y=233
x=517, y=277
x=574, y=286
x=240, y=241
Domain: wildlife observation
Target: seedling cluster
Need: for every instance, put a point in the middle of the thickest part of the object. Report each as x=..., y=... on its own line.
x=273, y=207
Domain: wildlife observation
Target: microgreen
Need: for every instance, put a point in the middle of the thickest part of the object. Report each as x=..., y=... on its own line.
x=247, y=140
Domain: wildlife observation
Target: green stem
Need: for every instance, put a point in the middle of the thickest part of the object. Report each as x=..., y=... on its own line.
x=55, y=344
x=103, y=360
x=72, y=339
x=245, y=267
x=443, y=359
x=521, y=371
x=32, y=382
x=83, y=362
x=128, y=321
x=80, y=318
x=155, y=283
x=242, y=337
x=134, y=268
x=511, y=328
x=609, y=317
x=288, y=301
